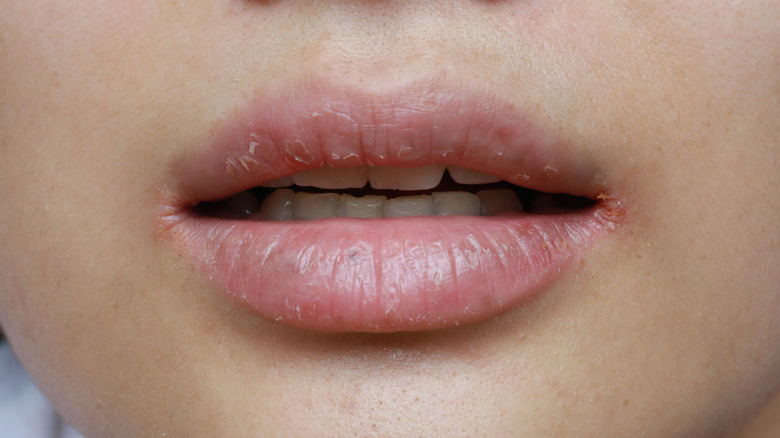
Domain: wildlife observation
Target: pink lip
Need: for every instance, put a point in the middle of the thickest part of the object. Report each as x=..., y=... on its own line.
x=383, y=275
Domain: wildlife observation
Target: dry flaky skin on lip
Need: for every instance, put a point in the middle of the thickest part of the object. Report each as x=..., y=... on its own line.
x=390, y=274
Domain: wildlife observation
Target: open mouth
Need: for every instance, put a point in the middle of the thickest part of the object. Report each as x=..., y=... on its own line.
x=387, y=192
x=419, y=208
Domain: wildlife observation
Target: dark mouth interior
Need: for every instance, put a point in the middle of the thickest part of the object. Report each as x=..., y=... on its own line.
x=554, y=203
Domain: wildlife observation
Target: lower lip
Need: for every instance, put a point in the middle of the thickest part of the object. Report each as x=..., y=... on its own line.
x=388, y=275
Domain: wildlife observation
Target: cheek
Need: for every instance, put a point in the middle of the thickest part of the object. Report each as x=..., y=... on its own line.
x=77, y=257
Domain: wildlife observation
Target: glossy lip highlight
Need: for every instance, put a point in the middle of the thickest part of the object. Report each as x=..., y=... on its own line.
x=383, y=275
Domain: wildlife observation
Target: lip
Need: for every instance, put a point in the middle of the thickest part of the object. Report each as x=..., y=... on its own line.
x=383, y=275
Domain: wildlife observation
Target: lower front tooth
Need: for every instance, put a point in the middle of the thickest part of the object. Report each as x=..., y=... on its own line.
x=455, y=203
x=363, y=207
x=495, y=202
x=308, y=206
x=408, y=206
x=278, y=206
x=284, y=204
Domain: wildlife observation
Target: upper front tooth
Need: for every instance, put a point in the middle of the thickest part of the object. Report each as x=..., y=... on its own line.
x=461, y=175
x=327, y=177
x=405, y=178
x=279, y=182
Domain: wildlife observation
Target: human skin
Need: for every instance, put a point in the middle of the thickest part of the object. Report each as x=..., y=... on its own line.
x=667, y=327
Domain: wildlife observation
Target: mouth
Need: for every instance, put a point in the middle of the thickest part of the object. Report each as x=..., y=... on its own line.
x=388, y=192
x=339, y=210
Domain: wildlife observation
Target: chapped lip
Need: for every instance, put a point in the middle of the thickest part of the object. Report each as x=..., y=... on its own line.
x=382, y=275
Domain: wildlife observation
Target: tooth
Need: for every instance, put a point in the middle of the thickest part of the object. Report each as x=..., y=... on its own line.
x=452, y=203
x=239, y=206
x=364, y=207
x=495, y=202
x=327, y=177
x=315, y=205
x=278, y=206
x=461, y=175
x=405, y=178
x=408, y=206
x=279, y=182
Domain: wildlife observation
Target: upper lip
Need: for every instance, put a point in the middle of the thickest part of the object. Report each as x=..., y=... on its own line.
x=342, y=126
